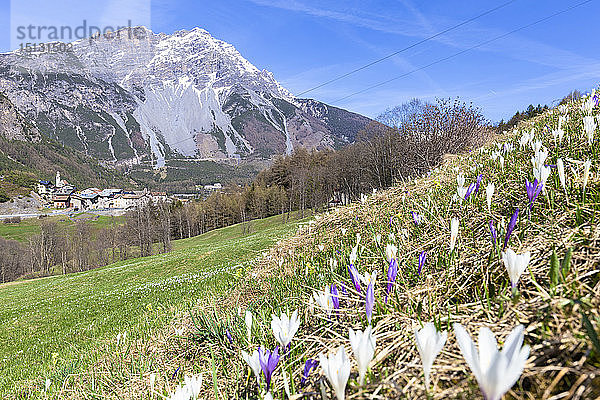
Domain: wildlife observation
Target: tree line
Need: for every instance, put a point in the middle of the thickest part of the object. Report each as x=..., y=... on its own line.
x=61, y=248
x=404, y=142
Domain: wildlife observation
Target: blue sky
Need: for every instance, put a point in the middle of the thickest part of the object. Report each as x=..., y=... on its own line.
x=305, y=43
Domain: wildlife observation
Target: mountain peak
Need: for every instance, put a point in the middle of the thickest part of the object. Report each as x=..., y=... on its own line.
x=131, y=99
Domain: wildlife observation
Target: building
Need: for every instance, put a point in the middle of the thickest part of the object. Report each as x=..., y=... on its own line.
x=131, y=200
x=62, y=195
x=106, y=198
x=45, y=189
x=84, y=201
x=214, y=187
x=61, y=201
x=60, y=182
x=159, y=197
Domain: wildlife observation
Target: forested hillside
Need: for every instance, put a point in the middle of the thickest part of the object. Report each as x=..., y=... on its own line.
x=26, y=155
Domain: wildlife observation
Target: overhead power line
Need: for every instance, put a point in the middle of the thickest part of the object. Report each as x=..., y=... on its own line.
x=407, y=48
x=466, y=50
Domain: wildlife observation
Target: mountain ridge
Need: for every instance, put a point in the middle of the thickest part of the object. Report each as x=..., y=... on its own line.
x=150, y=98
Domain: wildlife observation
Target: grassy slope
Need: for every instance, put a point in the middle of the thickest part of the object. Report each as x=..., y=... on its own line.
x=470, y=287
x=31, y=226
x=75, y=315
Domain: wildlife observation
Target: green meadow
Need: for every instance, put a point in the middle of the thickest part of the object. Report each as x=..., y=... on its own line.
x=31, y=226
x=54, y=327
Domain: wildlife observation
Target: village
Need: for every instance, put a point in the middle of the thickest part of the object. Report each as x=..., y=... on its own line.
x=62, y=195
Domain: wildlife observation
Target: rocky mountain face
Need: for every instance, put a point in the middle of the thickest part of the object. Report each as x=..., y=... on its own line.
x=13, y=126
x=149, y=98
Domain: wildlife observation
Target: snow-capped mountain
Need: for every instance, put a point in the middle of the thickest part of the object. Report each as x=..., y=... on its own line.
x=147, y=98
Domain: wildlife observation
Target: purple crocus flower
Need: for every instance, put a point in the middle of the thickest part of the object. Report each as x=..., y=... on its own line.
x=493, y=233
x=354, y=276
x=422, y=259
x=416, y=218
x=391, y=275
x=308, y=366
x=343, y=289
x=511, y=227
x=479, y=178
x=391, y=220
x=596, y=100
x=533, y=191
x=335, y=296
x=268, y=362
x=472, y=187
x=228, y=334
x=370, y=302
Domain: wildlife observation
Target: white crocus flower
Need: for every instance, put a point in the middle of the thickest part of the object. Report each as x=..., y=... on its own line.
x=586, y=172
x=589, y=126
x=495, y=371
x=515, y=264
x=344, y=230
x=453, y=233
x=333, y=263
x=539, y=158
x=536, y=145
x=321, y=247
x=354, y=255
x=193, y=383
x=180, y=393
x=337, y=370
x=557, y=135
x=524, y=140
x=429, y=343
x=560, y=166
x=268, y=395
x=47, y=384
x=588, y=105
x=391, y=252
x=489, y=192
x=358, y=237
x=378, y=238
x=561, y=121
x=369, y=278
x=363, y=346
x=324, y=300
x=152, y=381
x=284, y=328
x=461, y=191
x=460, y=179
x=501, y=160
x=286, y=384
x=248, y=321
x=253, y=361
x=542, y=173
x=563, y=109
